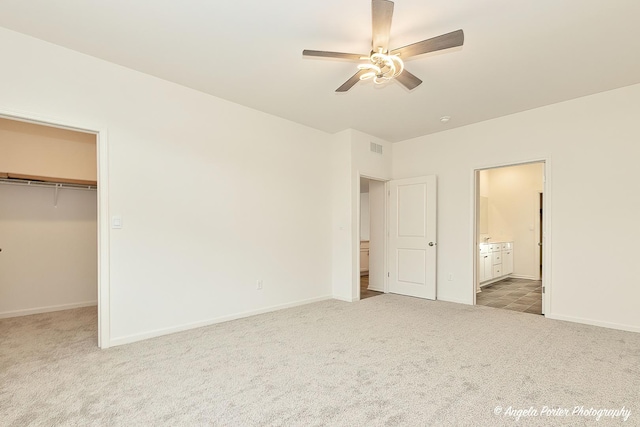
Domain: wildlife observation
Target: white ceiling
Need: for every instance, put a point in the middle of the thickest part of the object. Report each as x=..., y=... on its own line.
x=517, y=55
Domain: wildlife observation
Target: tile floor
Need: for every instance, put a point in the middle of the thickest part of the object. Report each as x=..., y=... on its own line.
x=364, y=292
x=513, y=294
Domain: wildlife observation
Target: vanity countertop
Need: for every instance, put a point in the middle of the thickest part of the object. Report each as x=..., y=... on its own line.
x=495, y=246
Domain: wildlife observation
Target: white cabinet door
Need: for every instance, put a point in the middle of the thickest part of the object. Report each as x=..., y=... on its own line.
x=484, y=265
x=507, y=261
x=484, y=262
x=364, y=260
x=488, y=266
x=412, y=237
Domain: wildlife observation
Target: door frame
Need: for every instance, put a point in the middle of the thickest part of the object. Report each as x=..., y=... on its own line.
x=355, y=280
x=546, y=226
x=540, y=252
x=102, y=161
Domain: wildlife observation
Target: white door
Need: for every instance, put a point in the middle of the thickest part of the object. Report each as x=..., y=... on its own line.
x=507, y=261
x=412, y=237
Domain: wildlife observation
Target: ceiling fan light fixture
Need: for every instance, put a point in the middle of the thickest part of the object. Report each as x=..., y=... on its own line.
x=371, y=67
x=380, y=80
x=383, y=67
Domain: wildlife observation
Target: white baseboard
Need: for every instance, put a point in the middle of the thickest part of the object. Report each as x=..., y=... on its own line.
x=491, y=281
x=507, y=276
x=47, y=309
x=341, y=298
x=455, y=300
x=181, y=328
x=523, y=276
x=618, y=326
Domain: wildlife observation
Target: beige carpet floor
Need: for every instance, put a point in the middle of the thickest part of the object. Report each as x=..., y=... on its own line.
x=388, y=360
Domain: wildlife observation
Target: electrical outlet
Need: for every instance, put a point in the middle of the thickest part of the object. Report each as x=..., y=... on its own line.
x=259, y=284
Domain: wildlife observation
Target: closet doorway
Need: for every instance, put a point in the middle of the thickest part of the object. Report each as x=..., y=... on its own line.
x=372, y=241
x=49, y=228
x=509, y=237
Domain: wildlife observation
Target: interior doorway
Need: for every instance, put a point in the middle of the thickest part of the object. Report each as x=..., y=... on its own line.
x=402, y=244
x=52, y=240
x=508, y=237
x=371, y=241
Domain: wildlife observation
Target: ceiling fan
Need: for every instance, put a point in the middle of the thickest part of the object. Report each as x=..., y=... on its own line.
x=382, y=64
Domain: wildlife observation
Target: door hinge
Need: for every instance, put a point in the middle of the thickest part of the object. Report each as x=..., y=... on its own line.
x=387, y=274
x=543, y=290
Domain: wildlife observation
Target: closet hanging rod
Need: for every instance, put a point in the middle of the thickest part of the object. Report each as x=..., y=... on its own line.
x=55, y=180
x=45, y=184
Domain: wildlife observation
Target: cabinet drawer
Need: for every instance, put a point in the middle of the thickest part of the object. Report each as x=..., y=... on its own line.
x=507, y=246
x=484, y=248
x=497, y=257
x=497, y=270
x=495, y=247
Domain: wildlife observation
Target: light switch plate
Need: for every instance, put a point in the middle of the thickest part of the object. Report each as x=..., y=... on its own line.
x=116, y=221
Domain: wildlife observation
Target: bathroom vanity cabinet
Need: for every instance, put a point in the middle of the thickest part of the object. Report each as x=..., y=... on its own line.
x=495, y=261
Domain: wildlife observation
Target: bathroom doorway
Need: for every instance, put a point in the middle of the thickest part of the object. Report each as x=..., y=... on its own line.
x=509, y=230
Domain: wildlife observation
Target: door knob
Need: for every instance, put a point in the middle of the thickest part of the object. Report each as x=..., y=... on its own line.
x=431, y=244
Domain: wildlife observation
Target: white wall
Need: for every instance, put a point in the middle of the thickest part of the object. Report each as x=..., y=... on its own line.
x=482, y=207
x=342, y=212
x=364, y=162
x=514, y=204
x=213, y=195
x=351, y=158
x=49, y=254
x=592, y=143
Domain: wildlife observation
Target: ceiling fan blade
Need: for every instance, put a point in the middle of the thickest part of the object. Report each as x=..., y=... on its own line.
x=445, y=41
x=408, y=80
x=351, y=82
x=381, y=13
x=339, y=55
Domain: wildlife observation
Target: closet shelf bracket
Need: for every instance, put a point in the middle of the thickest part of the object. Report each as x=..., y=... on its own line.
x=55, y=195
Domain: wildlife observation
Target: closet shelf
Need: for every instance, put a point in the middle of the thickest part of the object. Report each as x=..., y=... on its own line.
x=35, y=179
x=45, y=181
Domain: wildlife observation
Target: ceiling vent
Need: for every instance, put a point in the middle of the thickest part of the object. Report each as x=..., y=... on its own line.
x=375, y=148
